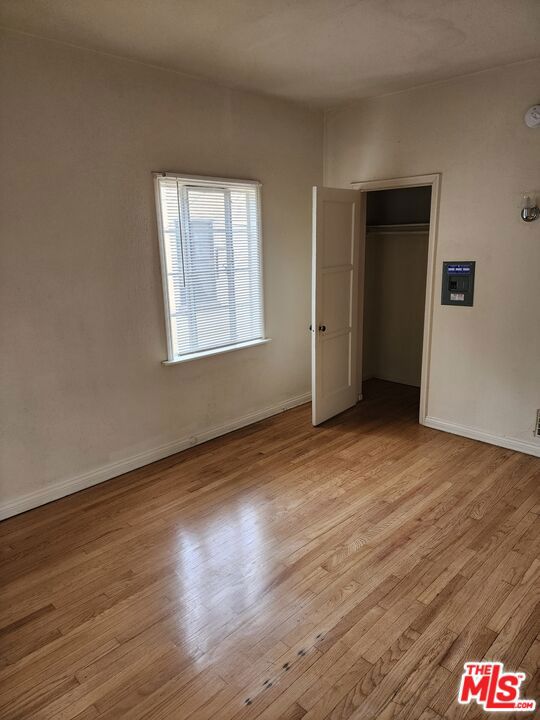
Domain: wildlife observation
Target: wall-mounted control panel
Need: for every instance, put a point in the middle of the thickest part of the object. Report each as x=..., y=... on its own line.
x=458, y=283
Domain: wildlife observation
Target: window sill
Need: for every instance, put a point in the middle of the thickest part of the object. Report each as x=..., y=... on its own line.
x=216, y=351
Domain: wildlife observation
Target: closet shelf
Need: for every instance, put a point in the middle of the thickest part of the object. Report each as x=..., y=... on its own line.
x=398, y=228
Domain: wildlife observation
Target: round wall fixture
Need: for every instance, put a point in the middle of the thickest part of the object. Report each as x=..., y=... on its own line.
x=532, y=117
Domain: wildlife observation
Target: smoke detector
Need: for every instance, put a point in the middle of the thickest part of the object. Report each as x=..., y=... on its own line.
x=532, y=116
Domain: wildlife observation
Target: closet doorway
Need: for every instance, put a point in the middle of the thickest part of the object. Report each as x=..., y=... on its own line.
x=398, y=285
x=393, y=278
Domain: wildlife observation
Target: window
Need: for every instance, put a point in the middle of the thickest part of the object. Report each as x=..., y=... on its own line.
x=210, y=236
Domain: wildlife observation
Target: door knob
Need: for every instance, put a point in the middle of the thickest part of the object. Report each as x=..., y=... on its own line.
x=322, y=328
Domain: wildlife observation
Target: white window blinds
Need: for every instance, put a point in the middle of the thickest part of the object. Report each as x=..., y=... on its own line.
x=211, y=261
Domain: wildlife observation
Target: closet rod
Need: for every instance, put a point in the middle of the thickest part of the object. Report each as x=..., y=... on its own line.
x=399, y=228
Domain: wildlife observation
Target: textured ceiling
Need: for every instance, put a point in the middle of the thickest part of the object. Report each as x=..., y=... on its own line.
x=323, y=52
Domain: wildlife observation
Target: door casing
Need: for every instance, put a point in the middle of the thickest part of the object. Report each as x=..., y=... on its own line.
x=433, y=180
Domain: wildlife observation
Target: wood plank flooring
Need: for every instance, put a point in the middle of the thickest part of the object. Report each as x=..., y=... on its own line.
x=282, y=572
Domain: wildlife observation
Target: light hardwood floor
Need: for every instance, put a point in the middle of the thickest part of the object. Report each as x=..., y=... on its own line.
x=282, y=572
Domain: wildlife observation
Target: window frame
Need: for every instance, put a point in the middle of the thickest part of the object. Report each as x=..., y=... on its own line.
x=204, y=181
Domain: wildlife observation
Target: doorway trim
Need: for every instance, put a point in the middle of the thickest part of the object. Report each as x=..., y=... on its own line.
x=434, y=180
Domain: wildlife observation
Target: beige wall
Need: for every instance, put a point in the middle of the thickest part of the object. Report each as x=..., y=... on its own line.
x=82, y=326
x=394, y=303
x=485, y=360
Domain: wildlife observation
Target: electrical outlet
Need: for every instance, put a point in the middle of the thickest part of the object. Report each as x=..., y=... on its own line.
x=537, y=425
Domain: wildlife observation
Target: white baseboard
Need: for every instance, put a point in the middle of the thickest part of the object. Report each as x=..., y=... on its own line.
x=106, y=472
x=523, y=446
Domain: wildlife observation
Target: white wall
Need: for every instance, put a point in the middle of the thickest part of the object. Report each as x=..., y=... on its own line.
x=84, y=393
x=485, y=360
x=394, y=302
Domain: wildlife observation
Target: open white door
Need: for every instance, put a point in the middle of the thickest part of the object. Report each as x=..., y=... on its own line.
x=336, y=312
